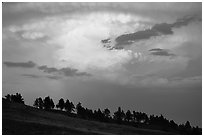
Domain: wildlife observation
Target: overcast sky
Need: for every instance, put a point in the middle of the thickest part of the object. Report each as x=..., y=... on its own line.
x=140, y=56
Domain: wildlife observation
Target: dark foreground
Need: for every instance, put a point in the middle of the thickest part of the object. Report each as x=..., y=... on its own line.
x=25, y=120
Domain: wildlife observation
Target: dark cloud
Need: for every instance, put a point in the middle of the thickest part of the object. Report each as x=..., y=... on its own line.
x=46, y=69
x=31, y=76
x=161, y=52
x=106, y=40
x=156, y=30
x=72, y=72
x=185, y=20
x=28, y=64
x=128, y=39
x=41, y=76
x=64, y=71
x=53, y=77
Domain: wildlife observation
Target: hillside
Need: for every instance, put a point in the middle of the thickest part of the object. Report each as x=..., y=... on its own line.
x=22, y=119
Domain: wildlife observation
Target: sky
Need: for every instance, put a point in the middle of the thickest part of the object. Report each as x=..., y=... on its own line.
x=140, y=56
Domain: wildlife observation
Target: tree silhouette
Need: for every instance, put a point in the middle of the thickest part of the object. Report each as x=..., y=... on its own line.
x=119, y=115
x=173, y=125
x=69, y=106
x=8, y=97
x=89, y=113
x=128, y=116
x=52, y=105
x=106, y=112
x=38, y=103
x=187, y=125
x=48, y=103
x=134, y=116
x=80, y=110
x=100, y=115
x=141, y=117
x=61, y=104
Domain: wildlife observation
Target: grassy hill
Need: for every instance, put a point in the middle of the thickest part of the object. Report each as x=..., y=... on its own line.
x=22, y=119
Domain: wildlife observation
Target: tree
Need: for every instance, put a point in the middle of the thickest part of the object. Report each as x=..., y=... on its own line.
x=141, y=117
x=38, y=103
x=61, y=104
x=128, y=116
x=187, y=125
x=134, y=116
x=100, y=115
x=8, y=97
x=119, y=115
x=69, y=106
x=72, y=107
x=173, y=125
x=80, y=110
x=89, y=113
x=78, y=107
x=48, y=103
x=17, y=98
x=52, y=104
x=106, y=112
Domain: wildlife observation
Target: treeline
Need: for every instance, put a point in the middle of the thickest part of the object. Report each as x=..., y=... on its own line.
x=136, y=119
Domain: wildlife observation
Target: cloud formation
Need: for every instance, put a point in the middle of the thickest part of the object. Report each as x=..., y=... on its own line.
x=41, y=76
x=28, y=64
x=31, y=75
x=64, y=71
x=46, y=69
x=156, y=30
x=69, y=72
x=161, y=52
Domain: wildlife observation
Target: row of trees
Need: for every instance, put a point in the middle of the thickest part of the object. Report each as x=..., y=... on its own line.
x=120, y=117
x=47, y=104
x=138, y=119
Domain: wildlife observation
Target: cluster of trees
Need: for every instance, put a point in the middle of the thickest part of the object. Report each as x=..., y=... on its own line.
x=15, y=98
x=46, y=103
x=137, y=119
x=99, y=115
x=68, y=106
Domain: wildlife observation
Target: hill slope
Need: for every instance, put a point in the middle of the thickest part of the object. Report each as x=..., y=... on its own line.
x=23, y=119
